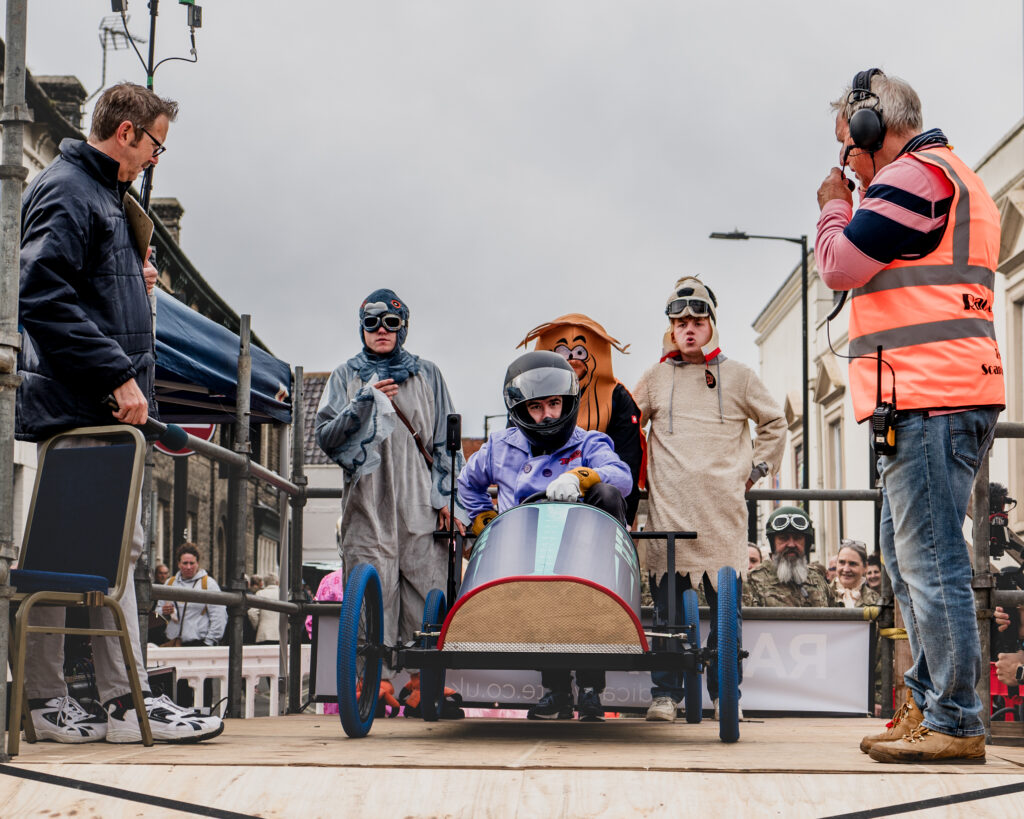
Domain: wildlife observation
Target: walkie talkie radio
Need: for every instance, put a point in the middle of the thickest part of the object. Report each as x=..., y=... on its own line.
x=883, y=419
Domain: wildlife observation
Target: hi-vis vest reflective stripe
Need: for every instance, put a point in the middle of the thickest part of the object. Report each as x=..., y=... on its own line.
x=933, y=315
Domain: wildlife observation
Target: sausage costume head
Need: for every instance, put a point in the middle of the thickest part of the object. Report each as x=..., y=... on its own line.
x=586, y=345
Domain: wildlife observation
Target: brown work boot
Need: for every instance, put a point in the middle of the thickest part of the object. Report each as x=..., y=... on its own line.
x=925, y=745
x=905, y=720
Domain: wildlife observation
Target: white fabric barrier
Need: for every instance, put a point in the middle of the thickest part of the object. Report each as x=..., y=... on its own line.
x=196, y=664
x=795, y=666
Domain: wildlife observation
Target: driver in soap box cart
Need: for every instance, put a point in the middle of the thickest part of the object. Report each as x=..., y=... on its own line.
x=545, y=452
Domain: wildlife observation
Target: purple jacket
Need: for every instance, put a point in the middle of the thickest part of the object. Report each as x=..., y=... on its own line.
x=505, y=460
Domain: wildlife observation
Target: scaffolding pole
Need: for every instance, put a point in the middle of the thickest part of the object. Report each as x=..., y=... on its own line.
x=12, y=176
x=296, y=622
x=238, y=506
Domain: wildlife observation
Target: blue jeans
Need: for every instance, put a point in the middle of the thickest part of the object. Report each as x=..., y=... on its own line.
x=670, y=683
x=926, y=487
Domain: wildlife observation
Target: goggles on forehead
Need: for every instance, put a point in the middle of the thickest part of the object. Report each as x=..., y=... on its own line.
x=794, y=521
x=697, y=307
x=391, y=322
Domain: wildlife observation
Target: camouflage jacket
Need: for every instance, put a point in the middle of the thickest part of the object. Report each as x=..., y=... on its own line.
x=763, y=588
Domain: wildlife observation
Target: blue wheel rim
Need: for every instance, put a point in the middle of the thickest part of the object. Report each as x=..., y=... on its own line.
x=728, y=656
x=359, y=636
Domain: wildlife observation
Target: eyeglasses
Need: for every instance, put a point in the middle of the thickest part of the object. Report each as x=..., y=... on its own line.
x=850, y=542
x=697, y=307
x=391, y=322
x=794, y=521
x=160, y=147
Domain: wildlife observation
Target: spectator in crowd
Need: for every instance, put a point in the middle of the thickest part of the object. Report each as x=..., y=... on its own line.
x=193, y=624
x=267, y=622
x=383, y=419
x=919, y=257
x=850, y=587
x=605, y=403
x=156, y=630
x=754, y=555
x=873, y=573
x=86, y=333
x=331, y=589
x=788, y=578
x=831, y=568
x=701, y=461
x=544, y=451
x=255, y=583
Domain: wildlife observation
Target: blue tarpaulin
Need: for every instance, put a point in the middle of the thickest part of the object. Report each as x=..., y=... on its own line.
x=197, y=370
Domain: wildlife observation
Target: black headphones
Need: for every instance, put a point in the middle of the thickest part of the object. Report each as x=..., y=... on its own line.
x=867, y=127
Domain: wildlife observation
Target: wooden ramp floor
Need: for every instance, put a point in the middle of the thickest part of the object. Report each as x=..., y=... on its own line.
x=304, y=766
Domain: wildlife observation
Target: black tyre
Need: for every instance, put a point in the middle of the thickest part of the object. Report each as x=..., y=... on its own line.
x=359, y=641
x=692, y=680
x=432, y=679
x=728, y=656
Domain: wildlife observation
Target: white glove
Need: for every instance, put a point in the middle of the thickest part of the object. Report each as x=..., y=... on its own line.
x=566, y=487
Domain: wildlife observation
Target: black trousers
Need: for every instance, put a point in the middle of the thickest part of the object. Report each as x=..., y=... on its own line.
x=560, y=680
x=608, y=499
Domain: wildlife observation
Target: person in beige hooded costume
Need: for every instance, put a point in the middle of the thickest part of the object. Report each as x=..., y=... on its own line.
x=700, y=459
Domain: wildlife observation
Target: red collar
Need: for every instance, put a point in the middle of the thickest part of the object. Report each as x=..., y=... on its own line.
x=675, y=355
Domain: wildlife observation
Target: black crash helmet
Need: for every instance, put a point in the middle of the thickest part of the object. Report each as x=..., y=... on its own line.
x=535, y=375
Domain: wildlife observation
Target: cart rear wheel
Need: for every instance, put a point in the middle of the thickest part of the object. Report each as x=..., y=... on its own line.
x=432, y=679
x=692, y=679
x=359, y=661
x=728, y=656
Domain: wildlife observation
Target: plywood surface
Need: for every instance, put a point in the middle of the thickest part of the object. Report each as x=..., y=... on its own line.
x=305, y=766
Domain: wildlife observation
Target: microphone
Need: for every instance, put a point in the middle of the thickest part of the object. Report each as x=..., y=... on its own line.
x=840, y=299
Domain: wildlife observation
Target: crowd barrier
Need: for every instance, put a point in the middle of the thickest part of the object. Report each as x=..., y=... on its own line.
x=197, y=664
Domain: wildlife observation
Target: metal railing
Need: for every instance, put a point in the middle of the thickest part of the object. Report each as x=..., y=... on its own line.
x=237, y=600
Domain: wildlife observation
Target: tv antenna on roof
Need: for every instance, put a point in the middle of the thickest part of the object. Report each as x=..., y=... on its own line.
x=113, y=37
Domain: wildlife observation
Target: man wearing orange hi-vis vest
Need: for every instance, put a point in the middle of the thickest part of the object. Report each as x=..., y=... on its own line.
x=918, y=259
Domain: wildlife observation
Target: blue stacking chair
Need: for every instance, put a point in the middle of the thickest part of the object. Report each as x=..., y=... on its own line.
x=77, y=548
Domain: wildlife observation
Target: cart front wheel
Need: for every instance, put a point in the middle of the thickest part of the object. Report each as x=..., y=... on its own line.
x=728, y=656
x=432, y=679
x=359, y=659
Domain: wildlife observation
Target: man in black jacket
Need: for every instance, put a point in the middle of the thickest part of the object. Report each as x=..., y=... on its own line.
x=87, y=333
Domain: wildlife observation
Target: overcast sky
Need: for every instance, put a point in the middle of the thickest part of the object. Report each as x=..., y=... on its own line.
x=500, y=164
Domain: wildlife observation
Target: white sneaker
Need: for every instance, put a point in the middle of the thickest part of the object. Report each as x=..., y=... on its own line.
x=739, y=711
x=168, y=721
x=62, y=719
x=663, y=709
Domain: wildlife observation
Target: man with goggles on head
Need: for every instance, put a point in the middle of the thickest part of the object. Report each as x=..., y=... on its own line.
x=382, y=419
x=789, y=578
x=700, y=462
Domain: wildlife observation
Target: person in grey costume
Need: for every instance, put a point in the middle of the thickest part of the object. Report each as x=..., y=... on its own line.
x=391, y=499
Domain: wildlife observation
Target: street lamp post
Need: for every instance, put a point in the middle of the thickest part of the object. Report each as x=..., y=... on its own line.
x=802, y=241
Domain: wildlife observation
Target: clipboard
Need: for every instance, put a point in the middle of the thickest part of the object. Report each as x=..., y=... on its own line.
x=140, y=223
x=142, y=231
